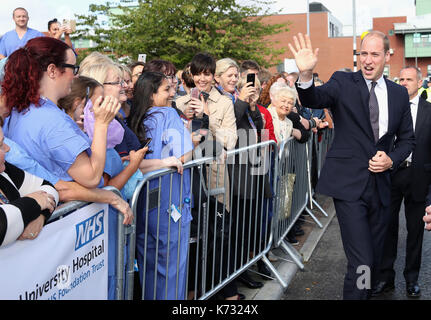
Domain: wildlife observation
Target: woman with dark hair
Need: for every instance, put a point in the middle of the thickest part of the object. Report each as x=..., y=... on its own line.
x=161, y=239
x=55, y=30
x=219, y=109
x=187, y=79
x=168, y=69
x=222, y=128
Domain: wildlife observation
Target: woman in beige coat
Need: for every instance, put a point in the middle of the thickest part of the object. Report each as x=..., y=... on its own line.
x=219, y=108
x=222, y=128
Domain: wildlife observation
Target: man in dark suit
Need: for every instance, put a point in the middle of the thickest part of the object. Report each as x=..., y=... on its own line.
x=373, y=133
x=409, y=182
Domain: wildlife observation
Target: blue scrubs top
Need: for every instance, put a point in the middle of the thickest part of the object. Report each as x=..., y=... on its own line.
x=20, y=158
x=11, y=42
x=48, y=135
x=160, y=240
x=113, y=163
x=170, y=138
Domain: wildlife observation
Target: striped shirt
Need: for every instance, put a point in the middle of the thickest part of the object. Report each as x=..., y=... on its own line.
x=17, y=210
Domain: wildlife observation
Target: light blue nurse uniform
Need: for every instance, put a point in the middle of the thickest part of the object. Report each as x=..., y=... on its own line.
x=54, y=140
x=11, y=42
x=48, y=135
x=169, y=138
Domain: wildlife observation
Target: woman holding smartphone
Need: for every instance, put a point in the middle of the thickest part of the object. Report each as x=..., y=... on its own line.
x=222, y=129
x=162, y=231
x=249, y=189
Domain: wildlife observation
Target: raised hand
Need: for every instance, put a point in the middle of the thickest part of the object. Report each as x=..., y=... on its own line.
x=246, y=92
x=105, y=109
x=196, y=107
x=305, y=58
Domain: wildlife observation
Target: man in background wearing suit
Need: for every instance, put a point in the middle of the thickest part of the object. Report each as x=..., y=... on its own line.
x=409, y=182
x=373, y=133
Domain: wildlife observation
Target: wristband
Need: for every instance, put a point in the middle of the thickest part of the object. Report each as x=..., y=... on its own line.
x=312, y=123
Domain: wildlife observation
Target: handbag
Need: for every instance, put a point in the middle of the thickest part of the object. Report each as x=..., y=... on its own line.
x=211, y=212
x=289, y=183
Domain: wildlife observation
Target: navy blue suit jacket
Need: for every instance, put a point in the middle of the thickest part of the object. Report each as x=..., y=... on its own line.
x=345, y=172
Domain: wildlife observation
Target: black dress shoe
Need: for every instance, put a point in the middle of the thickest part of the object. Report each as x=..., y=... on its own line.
x=382, y=287
x=291, y=238
x=299, y=232
x=246, y=280
x=263, y=269
x=413, y=290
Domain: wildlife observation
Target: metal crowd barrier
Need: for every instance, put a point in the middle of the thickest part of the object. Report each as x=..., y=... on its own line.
x=180, y=259
x=224, y=240
x=291, y=197
x=295, y=192
x=122, y=232
x=319, y=149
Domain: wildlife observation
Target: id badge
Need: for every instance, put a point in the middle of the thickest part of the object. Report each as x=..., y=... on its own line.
x=175, y=213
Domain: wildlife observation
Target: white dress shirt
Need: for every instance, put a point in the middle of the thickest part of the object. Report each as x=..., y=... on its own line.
x=382, y=98
x=414, y=103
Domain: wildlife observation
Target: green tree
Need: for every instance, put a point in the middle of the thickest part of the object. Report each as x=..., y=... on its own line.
x=176, y=30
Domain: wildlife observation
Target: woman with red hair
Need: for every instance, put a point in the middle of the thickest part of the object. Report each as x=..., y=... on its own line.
x=36, y=77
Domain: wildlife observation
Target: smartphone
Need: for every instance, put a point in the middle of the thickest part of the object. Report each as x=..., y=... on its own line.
x=142, y=57
x=194, y=93
x=196, y=125
x=251, y=77
x=146, y=142
x=70, y=24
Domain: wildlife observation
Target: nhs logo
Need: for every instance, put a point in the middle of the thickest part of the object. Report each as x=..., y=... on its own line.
x=89, y=229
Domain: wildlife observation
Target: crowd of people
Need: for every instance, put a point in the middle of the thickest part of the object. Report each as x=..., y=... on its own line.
x=69, y=130
x=78, y=128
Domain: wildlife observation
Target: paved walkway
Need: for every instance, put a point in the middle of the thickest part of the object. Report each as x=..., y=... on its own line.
x=323, y=275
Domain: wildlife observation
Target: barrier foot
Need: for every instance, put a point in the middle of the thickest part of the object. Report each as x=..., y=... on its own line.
x=274, y=272
x=314, y=217
x=293, y=254
x=320, y=208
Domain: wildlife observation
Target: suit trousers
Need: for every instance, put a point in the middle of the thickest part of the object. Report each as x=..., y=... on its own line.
x=414, y=211
x=363, y=225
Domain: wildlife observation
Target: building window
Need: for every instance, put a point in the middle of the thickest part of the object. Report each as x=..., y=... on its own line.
x=421, y=40
x=429, y=70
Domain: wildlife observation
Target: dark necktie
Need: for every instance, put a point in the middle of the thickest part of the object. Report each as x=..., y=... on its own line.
x=374, y=112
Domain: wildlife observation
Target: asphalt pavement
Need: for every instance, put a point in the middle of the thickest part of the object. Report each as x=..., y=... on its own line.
x=322, y=277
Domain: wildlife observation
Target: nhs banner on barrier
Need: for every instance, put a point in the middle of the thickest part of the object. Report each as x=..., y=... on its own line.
x=67, y=261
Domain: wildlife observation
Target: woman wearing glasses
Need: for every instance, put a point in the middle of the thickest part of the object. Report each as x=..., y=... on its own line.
x=36, y=77
x=110, y=75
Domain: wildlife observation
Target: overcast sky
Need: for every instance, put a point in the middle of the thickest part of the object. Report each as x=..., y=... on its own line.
x=41, y=12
